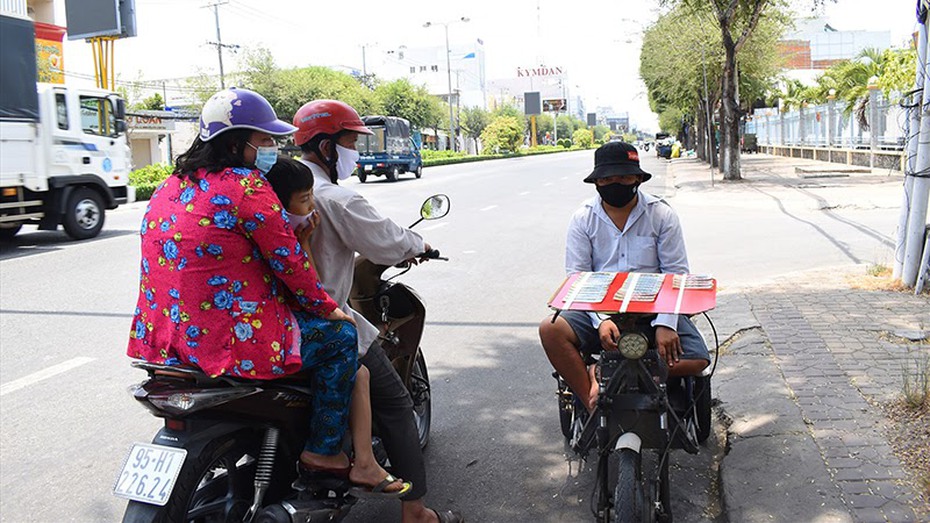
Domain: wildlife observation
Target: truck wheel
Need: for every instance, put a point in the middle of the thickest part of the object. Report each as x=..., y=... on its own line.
x=9, y=230
x=362, y=176
x=419, y=172
x=84, y=215
x=392, y=174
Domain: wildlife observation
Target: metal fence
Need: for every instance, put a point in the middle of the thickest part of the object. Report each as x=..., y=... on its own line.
x=829, y=125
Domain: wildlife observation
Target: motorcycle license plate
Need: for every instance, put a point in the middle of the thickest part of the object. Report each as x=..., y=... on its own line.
x=149, y=473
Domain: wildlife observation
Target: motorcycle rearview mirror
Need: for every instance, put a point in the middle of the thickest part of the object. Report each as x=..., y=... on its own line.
x=435, y=207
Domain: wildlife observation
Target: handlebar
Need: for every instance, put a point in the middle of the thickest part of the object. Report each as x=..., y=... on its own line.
x=433, y=254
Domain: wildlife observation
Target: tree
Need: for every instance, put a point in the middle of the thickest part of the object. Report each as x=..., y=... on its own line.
x=474, y=121
x=152, y=103
x=288, y=89
x=601, y=133
x=504, y=133
x=583, y=138
x=688, y=42
x=403, y=99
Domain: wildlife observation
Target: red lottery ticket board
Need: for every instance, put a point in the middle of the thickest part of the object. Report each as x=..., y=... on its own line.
x=634, y=292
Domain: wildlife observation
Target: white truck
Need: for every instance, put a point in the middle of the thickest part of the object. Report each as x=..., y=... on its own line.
x=64, y=154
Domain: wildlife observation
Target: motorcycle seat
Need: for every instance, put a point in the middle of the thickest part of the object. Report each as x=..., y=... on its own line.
x=189, y=372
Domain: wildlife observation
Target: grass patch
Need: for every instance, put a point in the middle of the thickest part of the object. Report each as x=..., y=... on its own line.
x=878, y=277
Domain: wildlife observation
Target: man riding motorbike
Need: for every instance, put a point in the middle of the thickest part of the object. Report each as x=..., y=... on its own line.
x=620, y=230
x=327, y=132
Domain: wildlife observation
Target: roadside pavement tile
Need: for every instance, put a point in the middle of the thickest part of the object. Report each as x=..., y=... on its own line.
x=855, y=486
x=866, y=501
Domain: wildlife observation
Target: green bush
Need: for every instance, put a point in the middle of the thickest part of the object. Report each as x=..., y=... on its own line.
x=146, y=179
x=583, y=138
x=429, y=154
x=565, y=143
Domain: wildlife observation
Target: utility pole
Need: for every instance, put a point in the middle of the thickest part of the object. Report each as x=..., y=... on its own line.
x=219, y=40
x=915, y=239
x=449, y=75
x=913, y=130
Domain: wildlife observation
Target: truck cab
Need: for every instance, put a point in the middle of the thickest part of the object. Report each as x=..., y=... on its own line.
x=390, y=151
x=68, y=165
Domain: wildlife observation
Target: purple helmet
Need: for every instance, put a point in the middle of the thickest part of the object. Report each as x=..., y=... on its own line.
x=237, y=108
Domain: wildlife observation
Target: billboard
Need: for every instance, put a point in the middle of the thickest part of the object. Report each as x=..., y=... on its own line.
x=90, y=18
x=554, y=105
x=531, y=103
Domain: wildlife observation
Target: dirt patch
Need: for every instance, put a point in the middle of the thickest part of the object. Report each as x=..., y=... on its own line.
x=909, y=434
x=878, y=278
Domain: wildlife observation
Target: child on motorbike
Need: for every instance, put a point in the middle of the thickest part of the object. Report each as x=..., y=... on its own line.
x=292, y=181
x=215, y=255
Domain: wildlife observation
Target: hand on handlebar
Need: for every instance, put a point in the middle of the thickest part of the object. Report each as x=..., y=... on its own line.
x=668, y=345
x=609, y=334
x=338, y=315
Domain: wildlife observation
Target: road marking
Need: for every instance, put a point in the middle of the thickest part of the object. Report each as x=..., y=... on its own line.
x=524, y=193
x=469, y=252
x=489, y=207
x=547, y=184
x=434, y=226
x=43, y=374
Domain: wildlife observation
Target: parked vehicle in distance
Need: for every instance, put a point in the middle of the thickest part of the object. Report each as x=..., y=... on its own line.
x=390, y=151
x=66, y=158
x=663, y=144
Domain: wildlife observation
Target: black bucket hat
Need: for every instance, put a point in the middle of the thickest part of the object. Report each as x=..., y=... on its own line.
x=616, y=159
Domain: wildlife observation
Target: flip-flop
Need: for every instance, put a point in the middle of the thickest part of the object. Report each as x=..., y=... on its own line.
x=449, y=516
x=362, y=491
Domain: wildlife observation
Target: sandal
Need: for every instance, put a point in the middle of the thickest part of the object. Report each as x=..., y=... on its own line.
x=364, y=491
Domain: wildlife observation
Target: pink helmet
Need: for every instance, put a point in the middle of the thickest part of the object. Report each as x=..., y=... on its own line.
x=326, y=117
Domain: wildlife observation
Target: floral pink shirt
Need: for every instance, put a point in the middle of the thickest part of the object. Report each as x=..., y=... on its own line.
x=219, y=267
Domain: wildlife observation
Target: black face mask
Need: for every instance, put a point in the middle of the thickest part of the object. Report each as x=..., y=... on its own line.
x=617, y=194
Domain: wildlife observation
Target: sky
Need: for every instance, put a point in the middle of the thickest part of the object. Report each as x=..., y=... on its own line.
x=595, y=41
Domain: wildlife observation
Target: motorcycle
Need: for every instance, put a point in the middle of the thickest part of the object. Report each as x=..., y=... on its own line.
x=642, y=414
x=229, y=445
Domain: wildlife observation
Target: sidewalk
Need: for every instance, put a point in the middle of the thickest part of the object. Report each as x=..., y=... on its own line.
x=808, y=363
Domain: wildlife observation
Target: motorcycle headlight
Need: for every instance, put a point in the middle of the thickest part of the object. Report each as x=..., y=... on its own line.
x=633, y=345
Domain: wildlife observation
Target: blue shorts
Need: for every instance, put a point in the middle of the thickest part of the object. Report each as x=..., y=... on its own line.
x=692, y=343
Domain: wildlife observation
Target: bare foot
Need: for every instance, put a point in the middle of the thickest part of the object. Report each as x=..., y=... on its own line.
x=591, y=402
x=371, y=476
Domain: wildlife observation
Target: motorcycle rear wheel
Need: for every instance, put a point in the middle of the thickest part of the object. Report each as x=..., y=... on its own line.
x=214, y=486
x=629, y=500
x=422, y=401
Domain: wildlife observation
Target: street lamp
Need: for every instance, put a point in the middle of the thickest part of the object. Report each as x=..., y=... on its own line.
x=449, y=73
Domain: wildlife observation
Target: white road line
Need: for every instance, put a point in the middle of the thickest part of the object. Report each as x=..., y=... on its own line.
x=489, y=207
x=524, y=193
x=434, y=226
x=43, y=374
x=547, y=184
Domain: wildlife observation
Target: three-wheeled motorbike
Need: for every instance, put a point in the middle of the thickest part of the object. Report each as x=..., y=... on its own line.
x=641, y=412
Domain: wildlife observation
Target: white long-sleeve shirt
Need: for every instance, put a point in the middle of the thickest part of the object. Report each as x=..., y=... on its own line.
x=651, y=241
x=349, y=225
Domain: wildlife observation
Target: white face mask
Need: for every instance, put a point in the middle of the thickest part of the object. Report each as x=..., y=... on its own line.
x=296, y=219
x=346, y=161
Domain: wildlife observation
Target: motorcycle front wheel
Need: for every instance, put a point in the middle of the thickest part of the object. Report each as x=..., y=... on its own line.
x=629, y=500
x=422, y=401
x=214, y=486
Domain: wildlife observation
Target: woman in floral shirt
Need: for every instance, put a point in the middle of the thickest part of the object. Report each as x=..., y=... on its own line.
x=221, y=271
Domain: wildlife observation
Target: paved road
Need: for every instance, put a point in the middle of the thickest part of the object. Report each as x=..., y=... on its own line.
x=495, y=451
